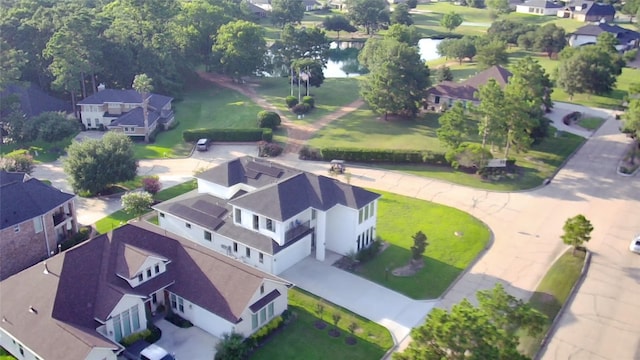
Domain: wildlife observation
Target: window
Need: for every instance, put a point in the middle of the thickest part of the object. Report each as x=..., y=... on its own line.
x=261, y=257
x=135, y=319
x=154, y=298
x=248, y=252
x=37, y=224
x=270, y=226
x=372, y=205
x=126, y=323
x=187, y=225
x=313, y=214
x=117, y=328
x=149, y=272
x=161, y=215
x=21, y=350
x=254, y=321
x=207, y=235
x=181, y=304
x=437, y=100
x=235, y=247
x=366, y=212
x=140, y=277
x=238, y=216
x=360, y=213
x=263, y=315
x=16, y=228
x=261, y=289
x=256, y=222
x=270, y=310
x=174, y=302
x=157, y=268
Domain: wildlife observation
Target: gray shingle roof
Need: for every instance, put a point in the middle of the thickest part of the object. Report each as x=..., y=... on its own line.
x=24, y=200
x=135, y=117
x=623, y=35
x=543, y=4
x=466, y=90
x=253, y=172
x=34, y=101
x=126, y=97
x=81, y=285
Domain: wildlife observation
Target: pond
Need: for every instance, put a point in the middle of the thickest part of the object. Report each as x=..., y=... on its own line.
x=343, y=57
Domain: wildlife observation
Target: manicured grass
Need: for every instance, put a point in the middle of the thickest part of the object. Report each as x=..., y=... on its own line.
x=399, y=218
x=329, y=97
x=302, y=340
x=590, y=123
x=41, y=151
x=204, y=106
x=120, y=217
x=552, y=293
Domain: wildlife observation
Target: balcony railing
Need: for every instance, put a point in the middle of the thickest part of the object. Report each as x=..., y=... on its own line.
x=59, y=217
x=297, y=231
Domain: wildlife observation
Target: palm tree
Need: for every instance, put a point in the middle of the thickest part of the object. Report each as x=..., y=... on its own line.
x=142, y=84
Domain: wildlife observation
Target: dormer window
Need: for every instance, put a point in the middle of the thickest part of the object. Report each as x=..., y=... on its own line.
x=148, y=272
x=157, y=268
x=140, y=277
x=270, y=225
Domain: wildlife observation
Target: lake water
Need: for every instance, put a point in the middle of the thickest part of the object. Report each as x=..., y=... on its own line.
x=343, y=58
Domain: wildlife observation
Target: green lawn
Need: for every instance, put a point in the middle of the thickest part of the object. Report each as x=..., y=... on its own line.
x=302, y=340
x=41, y=151
x=120, y=217
x=204, y=106
x=591, y=123
x=446, y=256
x=329, y=97
x=552, y=293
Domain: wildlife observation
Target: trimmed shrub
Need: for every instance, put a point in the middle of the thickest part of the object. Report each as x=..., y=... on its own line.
x=267, y=330
x=309, y=100
x=301, y=109
x=151, y=184
x=369, y=252
x=178, y=321
x=291, y=101
x=224, y=135
x=266, y=149
x=383, y=155
x=267, y=135
x=149, y=335
x=268, y=119
x=82, y=235
x=307, y=153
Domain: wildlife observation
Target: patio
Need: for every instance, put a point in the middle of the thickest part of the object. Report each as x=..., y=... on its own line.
x=189, y=343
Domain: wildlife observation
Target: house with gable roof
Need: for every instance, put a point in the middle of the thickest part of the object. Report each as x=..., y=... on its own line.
x=121, y=110
x=80, y=303
x=587, y=11
x=271, y=216
x=539, y=7
x=442, y=96
x=588, y=34
x=34, y=218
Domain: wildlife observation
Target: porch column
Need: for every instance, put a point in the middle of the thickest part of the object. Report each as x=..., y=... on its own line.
x=321, y=234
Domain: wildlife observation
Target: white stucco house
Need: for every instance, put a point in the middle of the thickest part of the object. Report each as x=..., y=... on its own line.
x=81, y=303
x=270, y=216
x=539, y=7
x=588, y=35
x=121, y=110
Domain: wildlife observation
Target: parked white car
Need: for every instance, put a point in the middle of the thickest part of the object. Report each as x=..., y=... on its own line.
x=635, y=245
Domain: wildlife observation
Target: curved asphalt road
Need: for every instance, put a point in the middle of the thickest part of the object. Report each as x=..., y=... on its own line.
x=603, y=321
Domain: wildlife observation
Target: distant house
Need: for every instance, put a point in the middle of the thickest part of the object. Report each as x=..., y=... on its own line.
x=256, y=10
x=34, y=219
x=262, y=4
x=34, y=101
x=121, y=110
x=271, y=216
x=310, y=5
x=79, y=304
x=443, y=95
x=587, y=11
x=627, y=39
x=539, y=7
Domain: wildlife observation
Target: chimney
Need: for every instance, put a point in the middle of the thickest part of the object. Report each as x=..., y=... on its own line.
x=101, y=87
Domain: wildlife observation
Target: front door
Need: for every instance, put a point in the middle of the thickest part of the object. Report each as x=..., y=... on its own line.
x=313, y=241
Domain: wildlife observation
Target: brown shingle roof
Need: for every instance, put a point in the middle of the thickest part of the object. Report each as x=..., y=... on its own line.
x=466, y=90
x=81, y=285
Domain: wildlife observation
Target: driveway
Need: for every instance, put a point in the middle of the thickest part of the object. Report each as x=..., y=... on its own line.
x=388, y=308
x=190, y=343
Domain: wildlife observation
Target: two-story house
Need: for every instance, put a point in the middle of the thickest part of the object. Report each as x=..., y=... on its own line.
x=588, y=35
x=271, y=216
x=80, y=303
x=34, y=219
x=121, y=110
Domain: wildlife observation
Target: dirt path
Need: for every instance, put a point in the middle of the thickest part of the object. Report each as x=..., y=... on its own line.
x=297, y=133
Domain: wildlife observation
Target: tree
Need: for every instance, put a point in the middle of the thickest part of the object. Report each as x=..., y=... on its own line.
x=338, y=23
x=400, y=15
x=92, y=165
x=607, y=41
x=589, y=69
x=142, y=84
x=419, y=245
x=631, y=8
x=319, y=310
x=460, y=49
x=240, y=49
x=577, y=231
x=137, y=202
x=286, y=12
x=444, y=74
x=370, y=14
x=508, y=31
x=151, y=184
x=310, y=71
x=296, y=43
x=491, y=111
x=469, y=156
x=18, y=161
x=403, y=33
x=631, y=118
x=231, y=347
x=397, y=77
x=412, y=4
x=550, y=39
x=538, y=84
x=491, y=54
x=499, y=6
x=336, y=317
x=467, y=332
x=451, y=21
x=454, y=127
x=11, y=63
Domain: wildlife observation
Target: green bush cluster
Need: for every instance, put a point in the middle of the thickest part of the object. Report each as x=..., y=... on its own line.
x=266, y=149
x=369, y=252
x=150, y=335
x=375, y=155
x=266, y=330
x=82, y=235
x=309, y=100
x=291, y=101
x=178, y=321
x=268, y=119
x=301, y=109
x=228, y=135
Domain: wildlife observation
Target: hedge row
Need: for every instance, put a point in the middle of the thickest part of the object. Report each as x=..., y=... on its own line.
x=375, y=155
x=228, y=135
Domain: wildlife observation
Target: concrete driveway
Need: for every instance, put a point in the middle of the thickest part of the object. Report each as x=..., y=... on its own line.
x=388, y=308
x=186, y=344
